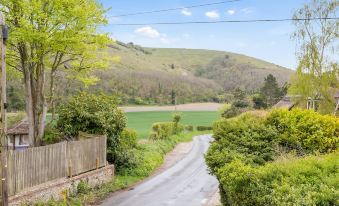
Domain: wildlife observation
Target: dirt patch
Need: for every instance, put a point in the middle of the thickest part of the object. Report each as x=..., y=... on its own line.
x=181, y=107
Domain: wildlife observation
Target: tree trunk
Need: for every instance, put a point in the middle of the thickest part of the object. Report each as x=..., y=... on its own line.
x=29, y=106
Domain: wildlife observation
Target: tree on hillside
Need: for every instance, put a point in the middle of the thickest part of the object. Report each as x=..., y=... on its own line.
x=271, y=91
x=47, y=35
x=317, y=72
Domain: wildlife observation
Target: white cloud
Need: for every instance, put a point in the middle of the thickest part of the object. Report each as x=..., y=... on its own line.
x=231, y=12
x=212, y=14
x=186, y=12
x=247, y=10
x=148, y=32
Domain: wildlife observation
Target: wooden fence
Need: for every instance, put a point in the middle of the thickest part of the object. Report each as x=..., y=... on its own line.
x=34, y=166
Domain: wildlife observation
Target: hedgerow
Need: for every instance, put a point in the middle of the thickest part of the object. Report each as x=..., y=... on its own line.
x=245, y=152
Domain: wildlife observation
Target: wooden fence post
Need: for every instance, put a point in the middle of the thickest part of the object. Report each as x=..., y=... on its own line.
x=4, y=142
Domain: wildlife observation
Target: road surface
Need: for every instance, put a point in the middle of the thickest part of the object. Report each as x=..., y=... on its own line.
x=187, y=183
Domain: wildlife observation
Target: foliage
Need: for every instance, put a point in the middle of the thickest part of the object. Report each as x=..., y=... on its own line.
x=239, y=105
x=306, y=131
x=51, y=135
x=189, y=128
x=204, y=128
x=163, y=130
x=46, y=36
x=317, y=71
x=94, y=114
x=270, y=93
x=83, y=187
x=249, y=154
x=245, y=137
x=259, y=101
x=125, y=152
x=14, y=118
x=15, y=98
x=308, y=181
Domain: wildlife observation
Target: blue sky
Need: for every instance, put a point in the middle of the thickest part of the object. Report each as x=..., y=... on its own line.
x=268, y=41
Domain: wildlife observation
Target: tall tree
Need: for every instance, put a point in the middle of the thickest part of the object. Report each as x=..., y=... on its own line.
x=46, y=35
x=317, y=72
x=271, y=90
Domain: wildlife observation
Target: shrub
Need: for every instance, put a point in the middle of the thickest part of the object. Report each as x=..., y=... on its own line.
x=94, y=114
x=307, y=181
x=125, y=153
x=189, y=128
x=306, y=131
x=51, y=135
x=163, y=130
x=204, y=128
x=234, y=111
x=83, y=187
x=246, y=158
x=246, y=138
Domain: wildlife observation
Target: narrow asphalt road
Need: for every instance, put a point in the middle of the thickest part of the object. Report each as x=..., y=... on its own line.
x=187, y=183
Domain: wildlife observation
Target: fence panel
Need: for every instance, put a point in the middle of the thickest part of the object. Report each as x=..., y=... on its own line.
x=34, y=166
x=85, y=155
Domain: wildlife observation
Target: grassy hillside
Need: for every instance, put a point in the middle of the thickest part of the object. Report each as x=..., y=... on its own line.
x=163, y=75
x=227, y=70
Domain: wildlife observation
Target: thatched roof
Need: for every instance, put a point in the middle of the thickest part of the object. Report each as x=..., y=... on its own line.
x=20, y=128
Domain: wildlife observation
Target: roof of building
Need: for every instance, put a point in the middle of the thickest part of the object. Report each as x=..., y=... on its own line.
x=286, y=102
x=19, y=128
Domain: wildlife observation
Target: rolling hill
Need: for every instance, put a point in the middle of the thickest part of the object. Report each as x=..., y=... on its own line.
x=152, y=75
x=162, y=75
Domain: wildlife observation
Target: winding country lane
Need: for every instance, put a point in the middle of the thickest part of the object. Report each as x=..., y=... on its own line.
x=187, y=183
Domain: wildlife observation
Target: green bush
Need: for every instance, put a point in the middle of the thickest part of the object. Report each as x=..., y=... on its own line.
x=189, y=128
x=126, y=151
x=234, y=111
x=246, y=138
x=294, y=181
x=247, y=151
x=306, y=131
x=163, y=130
x=83, y=187
x=94, y=114
x=204, y=128
x=51, y=135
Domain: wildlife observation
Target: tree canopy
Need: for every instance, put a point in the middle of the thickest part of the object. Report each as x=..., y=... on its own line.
x=47, y=35
x=317, y=72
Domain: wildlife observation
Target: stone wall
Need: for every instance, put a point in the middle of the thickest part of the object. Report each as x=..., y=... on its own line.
x=61, y=188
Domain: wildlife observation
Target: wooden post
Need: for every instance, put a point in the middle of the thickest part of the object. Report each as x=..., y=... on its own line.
x=70, y=171
x=97, y=163
x=4, y=142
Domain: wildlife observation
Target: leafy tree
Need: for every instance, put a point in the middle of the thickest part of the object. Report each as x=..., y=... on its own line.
x=94, y=114
x=47, y=35
x=317, y=71
x=15, y=99
x=271, y=91
x=259, y=101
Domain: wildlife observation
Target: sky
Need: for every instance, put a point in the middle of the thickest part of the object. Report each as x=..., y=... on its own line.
x=268, y=41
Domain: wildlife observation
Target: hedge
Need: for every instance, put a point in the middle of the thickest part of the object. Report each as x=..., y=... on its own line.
x=246, y=151
x=163, y=130
x=204, y=128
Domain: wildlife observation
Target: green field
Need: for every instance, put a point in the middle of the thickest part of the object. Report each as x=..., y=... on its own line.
x=142, y=121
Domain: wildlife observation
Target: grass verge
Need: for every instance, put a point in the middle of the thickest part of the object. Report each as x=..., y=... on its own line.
x=150, y=158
